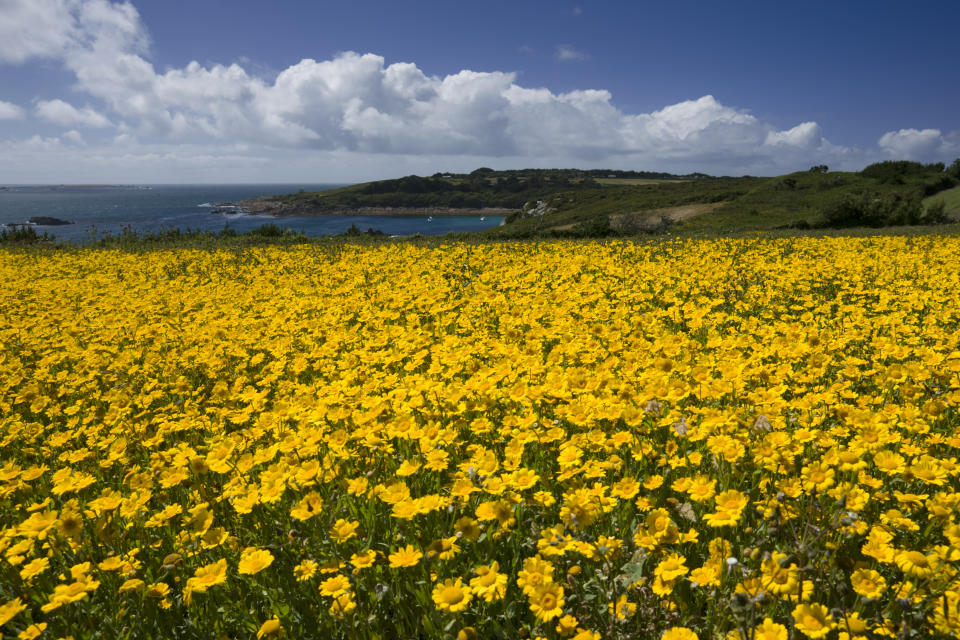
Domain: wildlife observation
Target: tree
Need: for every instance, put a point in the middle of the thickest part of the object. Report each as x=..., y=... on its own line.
x=954, y=169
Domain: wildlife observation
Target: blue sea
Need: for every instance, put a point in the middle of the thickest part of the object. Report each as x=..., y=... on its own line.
x=105, y=210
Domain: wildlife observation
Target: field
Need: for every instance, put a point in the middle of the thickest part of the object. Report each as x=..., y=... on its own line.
x=950, y=199
x=686, y=439
x=634, y=181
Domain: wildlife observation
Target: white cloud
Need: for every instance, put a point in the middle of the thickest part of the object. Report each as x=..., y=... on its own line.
x=566, y=53
x=53, y=28
x=357, y=106
x=10, y=111
x=912, y=144
x=74, y=137
x=805, y=135
x=64, y=113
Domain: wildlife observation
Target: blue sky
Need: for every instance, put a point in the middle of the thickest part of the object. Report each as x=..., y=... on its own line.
x=242, y=90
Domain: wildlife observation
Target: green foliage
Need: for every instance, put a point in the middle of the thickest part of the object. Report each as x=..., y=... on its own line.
x=481, y=188
x=23, y=234
x=896, y=170
x=954, y=169
x=950, y=199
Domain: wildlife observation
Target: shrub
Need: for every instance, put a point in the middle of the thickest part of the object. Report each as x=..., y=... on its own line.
x=23, y=233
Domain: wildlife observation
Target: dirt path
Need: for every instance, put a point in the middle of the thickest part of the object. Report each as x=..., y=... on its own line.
x=674, y=214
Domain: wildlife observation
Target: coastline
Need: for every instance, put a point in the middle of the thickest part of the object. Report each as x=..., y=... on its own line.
x=277, y=209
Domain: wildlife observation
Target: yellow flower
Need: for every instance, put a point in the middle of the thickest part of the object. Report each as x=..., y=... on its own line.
x=702, y=488
x=133, y=584
x=406, y=556
x=653, y=482
x=254, y=560
x=671, y=567
x=546, y=601
x=335, y=586
x=270, y=629
x=623, y=608
x=157, y=591
x=769, y=630
x=467, y=527
x=567, y=625
x=625, y=488
x=853, y=627
x=467, y=633
x=916, y=564
x=309, y=506
x=779, y=576
x=10, y=609
x=679, y=633
x=305, y=570
x=34, y=568
x=38, y=525
x=343, y=530
x=868, y=583
x=443, y=549
x=208, y=576
x=70, y=523
x=363, y=559
x=33, y=631
x=489, y=583
x=452, y=595
x=706, y=576
x=535, y=573
x=813, y=620
x=342, y=605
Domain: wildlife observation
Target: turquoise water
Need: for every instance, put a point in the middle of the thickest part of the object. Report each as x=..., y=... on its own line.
x=100, y=210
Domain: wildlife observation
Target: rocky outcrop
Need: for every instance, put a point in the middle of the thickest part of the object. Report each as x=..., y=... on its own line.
x=47, y=221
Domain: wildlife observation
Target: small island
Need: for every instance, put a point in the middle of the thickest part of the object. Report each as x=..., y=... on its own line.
x=47, y=221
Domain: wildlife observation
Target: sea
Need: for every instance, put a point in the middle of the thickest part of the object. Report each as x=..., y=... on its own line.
x=100, y=210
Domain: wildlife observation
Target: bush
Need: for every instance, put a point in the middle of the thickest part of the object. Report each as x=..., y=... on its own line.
x=871, y=210
x=893, y=171
x=268, y=230
x=23, y=233
x=954, y=169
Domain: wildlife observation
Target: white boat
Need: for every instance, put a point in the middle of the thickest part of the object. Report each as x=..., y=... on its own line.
x=482, y=218
x=429, y=218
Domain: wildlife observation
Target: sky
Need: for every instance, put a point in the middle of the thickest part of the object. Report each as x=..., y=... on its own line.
x=232, y=91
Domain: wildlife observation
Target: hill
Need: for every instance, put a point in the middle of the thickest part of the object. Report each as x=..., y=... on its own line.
x=604, y=202
x=883, y=194
x=950, y=199
x=482, y=190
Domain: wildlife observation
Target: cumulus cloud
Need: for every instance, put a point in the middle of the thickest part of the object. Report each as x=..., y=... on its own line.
x=805, y=135
x=566, y=53
x=10, y=111
x=358, y=104
x=53, y=28
x=64, y=113
x=74, y=137
x=912, y=144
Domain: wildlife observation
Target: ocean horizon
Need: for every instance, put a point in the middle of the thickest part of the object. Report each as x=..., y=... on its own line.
x=98, y=210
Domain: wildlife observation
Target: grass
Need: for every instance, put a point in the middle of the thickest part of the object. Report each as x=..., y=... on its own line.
x=950, y=199
x=798, y=200
x=632, y=181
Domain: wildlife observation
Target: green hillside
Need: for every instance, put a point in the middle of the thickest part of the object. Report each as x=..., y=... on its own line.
x=883, y=194
x=950, y=199
x=480, y=189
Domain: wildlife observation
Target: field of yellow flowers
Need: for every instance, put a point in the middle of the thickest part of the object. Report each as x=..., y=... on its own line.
x=739, y=439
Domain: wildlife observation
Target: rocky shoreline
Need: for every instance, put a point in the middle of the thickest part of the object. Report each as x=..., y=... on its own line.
x=276, y=208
